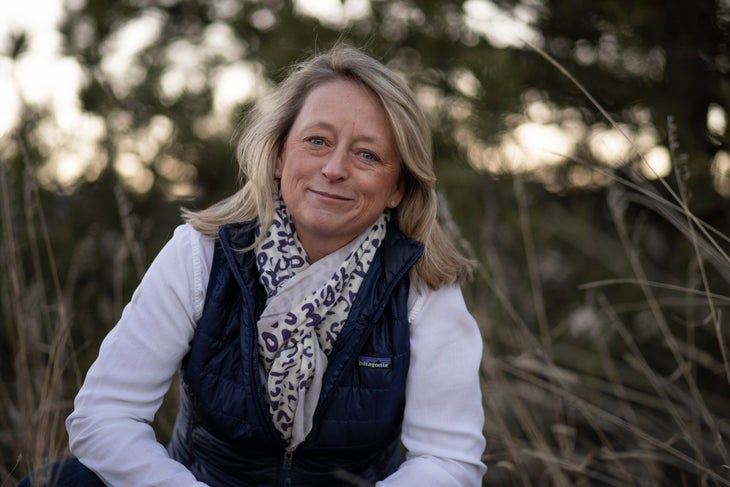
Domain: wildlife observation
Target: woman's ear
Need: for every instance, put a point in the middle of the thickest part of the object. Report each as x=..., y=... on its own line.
x=278, y=166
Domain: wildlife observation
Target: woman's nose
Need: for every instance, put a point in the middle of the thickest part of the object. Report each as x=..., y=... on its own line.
x=335, y=167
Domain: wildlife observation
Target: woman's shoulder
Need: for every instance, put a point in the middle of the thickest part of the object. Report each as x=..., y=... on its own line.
x=186, y=236
x=442, y=300
x=199, y=245
x=186, y=231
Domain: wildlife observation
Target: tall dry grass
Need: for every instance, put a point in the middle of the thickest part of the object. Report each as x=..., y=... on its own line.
x=608, y=418
x=47, y=338
x=36, y=394
x=604, y=408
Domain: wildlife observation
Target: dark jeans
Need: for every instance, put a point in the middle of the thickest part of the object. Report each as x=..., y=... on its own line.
x=62, y=473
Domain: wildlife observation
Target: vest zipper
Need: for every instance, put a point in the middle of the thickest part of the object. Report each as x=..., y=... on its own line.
x=288, y=459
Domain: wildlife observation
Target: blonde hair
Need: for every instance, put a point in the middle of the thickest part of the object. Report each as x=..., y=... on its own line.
x=267, y=125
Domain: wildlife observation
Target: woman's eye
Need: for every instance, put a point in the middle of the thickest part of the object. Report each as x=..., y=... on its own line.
x=316, y=140
x=369, y=156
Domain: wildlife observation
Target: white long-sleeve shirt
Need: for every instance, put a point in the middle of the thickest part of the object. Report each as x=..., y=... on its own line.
x=110, y=432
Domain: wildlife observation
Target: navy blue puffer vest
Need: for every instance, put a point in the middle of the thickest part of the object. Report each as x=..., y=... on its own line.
x=224, y=433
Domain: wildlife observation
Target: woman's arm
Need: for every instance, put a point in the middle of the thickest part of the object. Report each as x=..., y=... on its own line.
x=444, y=417
x=109, y=429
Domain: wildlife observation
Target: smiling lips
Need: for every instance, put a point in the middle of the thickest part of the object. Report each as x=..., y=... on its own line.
x=329, y=195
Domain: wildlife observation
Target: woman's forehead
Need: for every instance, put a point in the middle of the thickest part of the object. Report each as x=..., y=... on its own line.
x=333, y=104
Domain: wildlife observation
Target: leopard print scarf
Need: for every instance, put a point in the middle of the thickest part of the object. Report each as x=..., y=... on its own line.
x=306, y=308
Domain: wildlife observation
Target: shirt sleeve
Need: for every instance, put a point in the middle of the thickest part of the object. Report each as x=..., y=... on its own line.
x=444, y=416
x=109, y=429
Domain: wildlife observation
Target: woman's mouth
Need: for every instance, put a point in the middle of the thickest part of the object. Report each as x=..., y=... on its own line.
x=332, y=196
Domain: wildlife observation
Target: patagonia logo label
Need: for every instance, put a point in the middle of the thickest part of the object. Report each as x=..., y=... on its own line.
x=374, y=362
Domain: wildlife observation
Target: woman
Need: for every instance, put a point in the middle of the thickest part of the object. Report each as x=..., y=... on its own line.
x=314, y=317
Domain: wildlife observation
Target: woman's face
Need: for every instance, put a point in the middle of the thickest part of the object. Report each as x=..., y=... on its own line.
x=339, y=166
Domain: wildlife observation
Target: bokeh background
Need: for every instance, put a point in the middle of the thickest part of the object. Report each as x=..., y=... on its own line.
x=583, y=160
